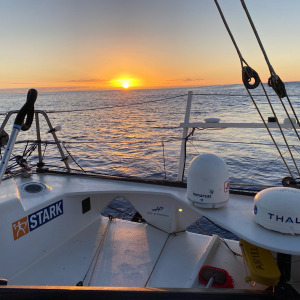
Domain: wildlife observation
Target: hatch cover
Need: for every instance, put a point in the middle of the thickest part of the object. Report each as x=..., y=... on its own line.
x=33, y=187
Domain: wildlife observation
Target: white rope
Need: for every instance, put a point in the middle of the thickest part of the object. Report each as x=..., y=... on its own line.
x=248, y=73
x=230, y=34
x=258, y=39
x=274, y=79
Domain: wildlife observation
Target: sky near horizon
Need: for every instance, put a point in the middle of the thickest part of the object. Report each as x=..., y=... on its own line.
x=101, y=44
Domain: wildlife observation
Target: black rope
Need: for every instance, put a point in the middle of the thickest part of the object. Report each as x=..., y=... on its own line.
x=185, y=144
x=73, y=158
x=31, y=149
x=233, y=252
x=221, y=238
x=202, y=230
x=25, y=149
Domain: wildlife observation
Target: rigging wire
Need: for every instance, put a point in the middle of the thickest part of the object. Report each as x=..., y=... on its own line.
x=30, y=150
x=163, y=170
x=247, y=72
x=258, y=39
x=151, y=101
x=282, y=133
x=277, y=85
x=117, y=105
x=236, y=95
x=264, y=167
x=269, y=131
x=169, y=140
x=235, y=142
x=247, y=75
x=230, y=34
x=274, y=81
x=237, y=175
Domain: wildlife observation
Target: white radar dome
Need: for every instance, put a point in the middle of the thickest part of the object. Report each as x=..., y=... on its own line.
x=208, y=181
x=278, y=209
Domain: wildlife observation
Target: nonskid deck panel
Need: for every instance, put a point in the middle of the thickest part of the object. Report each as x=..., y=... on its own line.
x=132, y=255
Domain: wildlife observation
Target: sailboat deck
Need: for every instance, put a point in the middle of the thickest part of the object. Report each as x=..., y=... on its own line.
x=132, y=254
x=236, y=216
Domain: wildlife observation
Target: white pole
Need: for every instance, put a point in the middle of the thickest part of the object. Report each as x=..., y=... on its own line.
x=27, y=111
x=184, y=136
x=8, y=150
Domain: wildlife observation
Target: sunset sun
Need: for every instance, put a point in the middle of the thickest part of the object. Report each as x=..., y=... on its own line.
x=125, y=83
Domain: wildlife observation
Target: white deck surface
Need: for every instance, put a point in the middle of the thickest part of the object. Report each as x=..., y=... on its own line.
x=236, y=217
x=126, y=258
x=131, y=256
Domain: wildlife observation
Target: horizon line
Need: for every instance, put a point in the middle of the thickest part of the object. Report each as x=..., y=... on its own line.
x=79, y=89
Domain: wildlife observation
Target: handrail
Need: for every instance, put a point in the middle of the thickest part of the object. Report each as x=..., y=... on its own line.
x=17, y=127
x=57, y=142
x=27, y=111
x=210, y=125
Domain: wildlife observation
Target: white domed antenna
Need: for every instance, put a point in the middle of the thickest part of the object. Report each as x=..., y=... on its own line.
x=208, y=181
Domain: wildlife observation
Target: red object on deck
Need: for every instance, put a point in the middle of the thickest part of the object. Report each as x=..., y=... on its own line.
x=221, y=278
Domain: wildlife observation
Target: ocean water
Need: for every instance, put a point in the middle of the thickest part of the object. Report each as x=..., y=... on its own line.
x=137, y=133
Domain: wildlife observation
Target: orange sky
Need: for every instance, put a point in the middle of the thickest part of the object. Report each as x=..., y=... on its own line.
x=72, y=44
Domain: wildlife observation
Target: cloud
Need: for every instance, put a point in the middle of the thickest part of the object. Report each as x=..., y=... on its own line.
x=185, y=80
x=88, y=80
x=28, y=83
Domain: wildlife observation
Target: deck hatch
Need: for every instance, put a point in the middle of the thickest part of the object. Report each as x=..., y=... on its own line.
x=34, y=187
